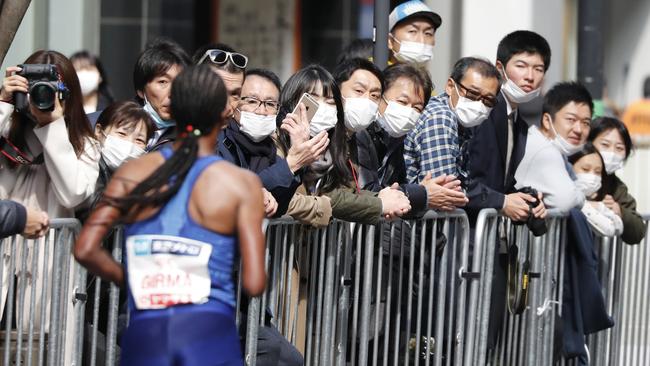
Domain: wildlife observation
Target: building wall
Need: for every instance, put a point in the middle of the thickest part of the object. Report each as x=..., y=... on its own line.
x=627, y=55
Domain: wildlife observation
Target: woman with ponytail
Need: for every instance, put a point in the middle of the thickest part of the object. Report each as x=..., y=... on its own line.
x=184, y=211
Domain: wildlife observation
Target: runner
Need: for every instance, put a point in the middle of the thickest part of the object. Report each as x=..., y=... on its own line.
x=185, y=210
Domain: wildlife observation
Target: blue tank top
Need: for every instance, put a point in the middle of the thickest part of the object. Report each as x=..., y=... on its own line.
x=173, y=220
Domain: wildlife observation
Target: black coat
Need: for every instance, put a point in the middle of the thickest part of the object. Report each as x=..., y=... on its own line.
x=275, y=174
x=380, y=162
x=583, y=305
x=487, y=184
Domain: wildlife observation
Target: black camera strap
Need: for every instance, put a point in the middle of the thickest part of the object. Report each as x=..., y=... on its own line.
x=14, y=154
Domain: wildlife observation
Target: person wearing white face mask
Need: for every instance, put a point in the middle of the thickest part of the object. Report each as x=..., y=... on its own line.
x=436, y=147
x=612, y=139
x=412, y=27
x=92, y=80
x=380, y=158
x=563, y=132
x=589, y=170
x=122, y=129
x=497, y=147
x=247, y=141
x=334, y=176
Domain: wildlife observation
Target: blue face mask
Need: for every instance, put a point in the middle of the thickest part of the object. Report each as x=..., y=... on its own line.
x=160, y=123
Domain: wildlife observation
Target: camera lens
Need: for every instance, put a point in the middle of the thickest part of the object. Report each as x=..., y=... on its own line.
x=42, y=95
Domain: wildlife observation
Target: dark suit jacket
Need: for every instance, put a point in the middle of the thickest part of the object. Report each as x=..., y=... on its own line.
x=488, y=185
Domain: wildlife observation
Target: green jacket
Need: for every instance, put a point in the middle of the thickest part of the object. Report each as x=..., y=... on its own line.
x=634, y=227
x=347, y=205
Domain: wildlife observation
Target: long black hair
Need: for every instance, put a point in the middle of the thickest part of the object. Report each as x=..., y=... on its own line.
x=307, y=80
x=198, y=98
x=605, y=124
x=589, y=149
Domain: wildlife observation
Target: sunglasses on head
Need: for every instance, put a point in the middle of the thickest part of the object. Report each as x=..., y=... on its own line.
x=220, y=57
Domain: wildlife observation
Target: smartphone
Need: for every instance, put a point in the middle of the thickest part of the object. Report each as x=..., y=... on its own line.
x=310, y=104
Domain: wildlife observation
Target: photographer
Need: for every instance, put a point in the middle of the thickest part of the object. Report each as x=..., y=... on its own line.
x=50, y=159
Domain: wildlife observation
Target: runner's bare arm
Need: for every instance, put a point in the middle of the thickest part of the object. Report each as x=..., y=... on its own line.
x=251, y=238
x=88, y=249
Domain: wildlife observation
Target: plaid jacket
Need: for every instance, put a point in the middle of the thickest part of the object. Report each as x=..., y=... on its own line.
x=433, y=145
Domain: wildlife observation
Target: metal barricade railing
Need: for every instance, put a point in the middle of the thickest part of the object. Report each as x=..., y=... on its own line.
x=368, y=294
x=42, y=291
x=527, y=338
x=304, y=288
x=410, y=291
x=625, y=280
x=407, y=292
x=100, y=334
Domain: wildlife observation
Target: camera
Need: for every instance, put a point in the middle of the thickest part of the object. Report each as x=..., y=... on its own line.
x=44, y=84
x=536, y=225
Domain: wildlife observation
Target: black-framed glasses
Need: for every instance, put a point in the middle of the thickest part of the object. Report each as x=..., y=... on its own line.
x=220, y=57
x=254, y=103
x=488, y=100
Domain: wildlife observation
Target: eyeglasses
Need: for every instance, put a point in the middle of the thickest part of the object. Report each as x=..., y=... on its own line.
x=254, y=103
x=488, y=101
x=220, y=57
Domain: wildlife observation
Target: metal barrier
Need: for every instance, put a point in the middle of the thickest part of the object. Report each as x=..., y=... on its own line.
x=41, y=295
x=368, y=294
x=527, y=338
x=405, y=292
x=624, y=275
x=100, y=333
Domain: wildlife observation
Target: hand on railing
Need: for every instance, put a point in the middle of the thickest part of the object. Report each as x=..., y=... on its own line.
x=516, y=206
x=444, y=192
x=36, y=224
x=394, y=202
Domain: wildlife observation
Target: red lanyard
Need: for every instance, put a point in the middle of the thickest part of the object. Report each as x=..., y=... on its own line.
x=354, y=176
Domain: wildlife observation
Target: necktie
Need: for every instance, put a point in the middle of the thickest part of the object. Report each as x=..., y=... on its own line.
x=511, y=120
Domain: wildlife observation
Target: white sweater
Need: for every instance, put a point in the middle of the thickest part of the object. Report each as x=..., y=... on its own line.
x=544, y=168
x=62, y=182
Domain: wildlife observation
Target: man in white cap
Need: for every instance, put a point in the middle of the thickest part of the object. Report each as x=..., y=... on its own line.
x=412, y=33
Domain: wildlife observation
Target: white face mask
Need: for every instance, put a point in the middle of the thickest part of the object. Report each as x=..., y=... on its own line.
x=415, y=52
x=514, y=92
x=588, y=183
x=256, y=126
x=565, y=147
x=613, y=161
x=116, y=151
x=398, y=120
x=324, y=119
x=359, y=113
x=88, y=81
x=470, y=112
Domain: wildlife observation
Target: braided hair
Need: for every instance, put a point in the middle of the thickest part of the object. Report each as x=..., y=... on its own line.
x=198, y=98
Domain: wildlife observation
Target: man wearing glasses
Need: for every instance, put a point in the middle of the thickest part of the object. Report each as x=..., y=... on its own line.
x=437, y=145
x=497, y=149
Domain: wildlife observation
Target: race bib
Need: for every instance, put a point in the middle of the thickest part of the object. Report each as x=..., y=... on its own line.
x=166, y=270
